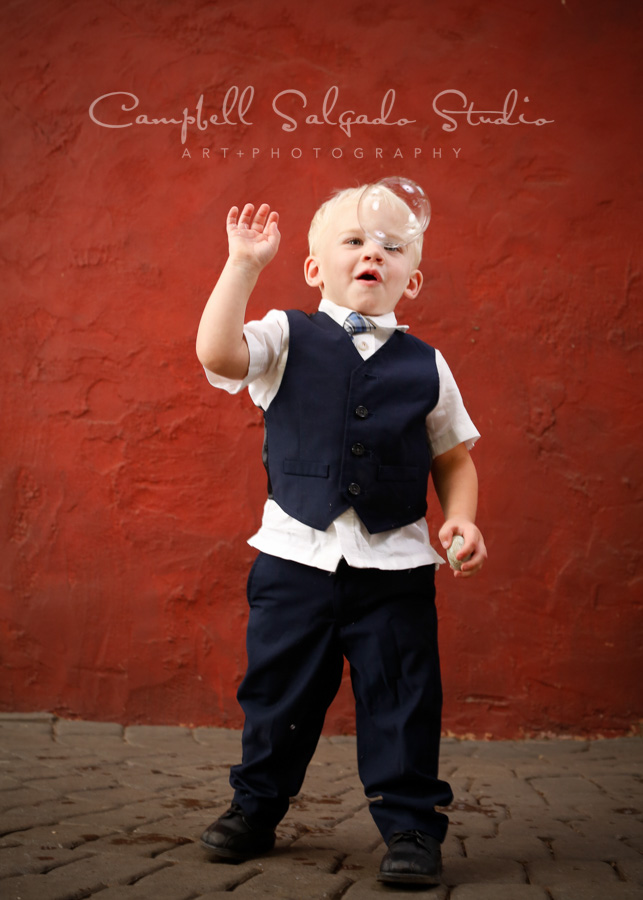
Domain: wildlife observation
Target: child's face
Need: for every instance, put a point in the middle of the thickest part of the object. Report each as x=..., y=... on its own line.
x=354, y=271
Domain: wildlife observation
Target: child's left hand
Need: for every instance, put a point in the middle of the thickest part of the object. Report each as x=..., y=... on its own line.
x=473, y=544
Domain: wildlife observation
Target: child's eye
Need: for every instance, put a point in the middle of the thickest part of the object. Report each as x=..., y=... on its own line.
x=392, y=248
x=354, y=240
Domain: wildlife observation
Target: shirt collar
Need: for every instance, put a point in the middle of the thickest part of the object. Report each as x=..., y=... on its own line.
x=338, y=314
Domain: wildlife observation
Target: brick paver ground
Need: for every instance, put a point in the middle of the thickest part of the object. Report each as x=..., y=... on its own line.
x=96, y=809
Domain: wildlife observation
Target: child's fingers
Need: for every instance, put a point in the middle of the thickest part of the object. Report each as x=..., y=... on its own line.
x=262, y=215
x=475, y=563
x=445, y=535
x=272, y=223
x=264, y=218
x=246, y=215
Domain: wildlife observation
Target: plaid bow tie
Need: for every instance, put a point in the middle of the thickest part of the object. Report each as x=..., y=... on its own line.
x=355, y=324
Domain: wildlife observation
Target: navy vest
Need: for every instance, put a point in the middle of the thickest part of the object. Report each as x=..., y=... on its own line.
x=343, y=431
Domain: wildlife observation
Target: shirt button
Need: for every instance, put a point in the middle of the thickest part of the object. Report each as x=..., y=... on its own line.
x=361, y=412
x=354, y=489
x=363, y=345
x=358, y=449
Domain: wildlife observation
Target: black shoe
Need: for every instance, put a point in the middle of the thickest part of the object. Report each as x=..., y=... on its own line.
x=413, y=858
x=233, y=838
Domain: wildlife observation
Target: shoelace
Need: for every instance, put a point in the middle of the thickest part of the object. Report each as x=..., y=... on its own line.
x=234, y=810
x=416, y=837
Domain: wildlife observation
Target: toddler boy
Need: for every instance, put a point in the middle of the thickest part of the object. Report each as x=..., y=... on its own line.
x=358, y=413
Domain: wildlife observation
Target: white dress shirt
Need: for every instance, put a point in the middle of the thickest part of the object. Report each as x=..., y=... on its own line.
x=447, y=425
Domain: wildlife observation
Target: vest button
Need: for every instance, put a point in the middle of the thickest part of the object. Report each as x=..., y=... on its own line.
x=361, y=412
x=354, y=489
x=358, y=449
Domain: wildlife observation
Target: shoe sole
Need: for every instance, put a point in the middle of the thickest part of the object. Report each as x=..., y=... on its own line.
x=234, y=855
x=409, y=878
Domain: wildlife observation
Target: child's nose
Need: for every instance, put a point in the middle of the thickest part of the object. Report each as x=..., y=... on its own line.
x=372, y=250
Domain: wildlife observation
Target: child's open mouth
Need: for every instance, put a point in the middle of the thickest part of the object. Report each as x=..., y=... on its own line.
x=367, y=276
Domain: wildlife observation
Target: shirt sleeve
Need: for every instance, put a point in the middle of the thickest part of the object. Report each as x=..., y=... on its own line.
x=449, y=424
x=267, y=341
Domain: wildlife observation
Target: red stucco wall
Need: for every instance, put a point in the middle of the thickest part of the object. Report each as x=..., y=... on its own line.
x=128, y=486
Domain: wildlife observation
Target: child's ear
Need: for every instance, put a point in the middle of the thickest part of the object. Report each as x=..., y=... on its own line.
x=312, y=272
x=414, y=284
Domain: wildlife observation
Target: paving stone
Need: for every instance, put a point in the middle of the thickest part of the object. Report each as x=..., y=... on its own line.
x=140, y=891
x=14, y=737
x=626, y=747
x=483, y=870
x=151, y=845
x=9, y=782
x=189, y=826
x=631, y=870
x=78, y=879
x=24, y=819
x=200, y=878
x=499, y=892
x=52, y=756
x=563, y=872
x=542, y=827
x=13, y=718
x=121, y=817
x=470, y=818
x=453, y=845
x=195, y=797
x=280, y=880
x=173, y=785
x=16, y=730
x=24, y=796
x=197, y=772
x=118, y=812
x=58, y=836
x=328, y=861
x=362, y=865
x=155, y=736
x=617, y=786
x=595, y=892
x=519, y=846
x=65, y=808
x=479, y=770
x=64, y=728
x=559, y=748
x=618, y=827
x=367, y=888
x=185, y=850
x=358, y=833
x=589, y=768
x=489, y=751
x=597, y=846
x=567, y=790
x=290, y=883
x=79, y=779
x=509, y=792
x=102, y=737
x=21, y=861
x=328, y=811
x=108, y=798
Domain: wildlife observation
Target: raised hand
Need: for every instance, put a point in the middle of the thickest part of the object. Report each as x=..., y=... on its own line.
x=253, y=238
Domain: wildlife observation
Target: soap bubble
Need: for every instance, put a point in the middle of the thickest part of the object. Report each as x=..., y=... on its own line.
x=394, y=211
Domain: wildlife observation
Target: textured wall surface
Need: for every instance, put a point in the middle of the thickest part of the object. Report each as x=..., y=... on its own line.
x=128, y=486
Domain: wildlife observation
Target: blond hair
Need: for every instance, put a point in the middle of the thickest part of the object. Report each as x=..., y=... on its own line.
x=323, y=214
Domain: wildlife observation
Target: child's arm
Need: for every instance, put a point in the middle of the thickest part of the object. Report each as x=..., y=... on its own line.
x=252, y=243
x=456, y=484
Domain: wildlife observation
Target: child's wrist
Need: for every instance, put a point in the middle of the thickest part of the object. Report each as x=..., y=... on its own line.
x=247, y=269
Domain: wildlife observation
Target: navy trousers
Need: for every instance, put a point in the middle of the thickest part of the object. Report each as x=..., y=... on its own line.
x=302, y=623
